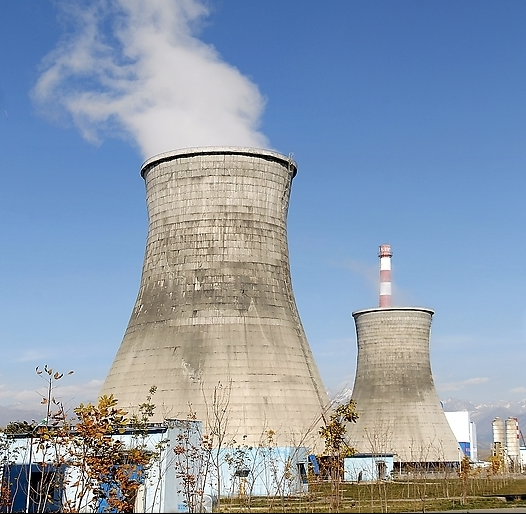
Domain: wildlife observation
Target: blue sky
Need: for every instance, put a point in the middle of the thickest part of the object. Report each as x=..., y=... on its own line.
x=408, y=124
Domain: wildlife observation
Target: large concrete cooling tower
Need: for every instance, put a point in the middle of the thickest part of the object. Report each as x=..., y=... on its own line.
x=395, y=395
x=215, y=304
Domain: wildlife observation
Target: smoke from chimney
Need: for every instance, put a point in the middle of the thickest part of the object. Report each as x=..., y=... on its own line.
x=134, y=69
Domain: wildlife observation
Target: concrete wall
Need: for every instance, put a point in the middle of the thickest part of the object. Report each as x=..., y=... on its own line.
x=366, y=468
x=395, y=395
x=264, y=471
x=215, y=304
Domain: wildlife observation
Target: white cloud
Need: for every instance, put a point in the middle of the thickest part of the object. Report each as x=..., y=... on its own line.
x=518, y=390
x=30, y=355
x=133, y=68
x=70, y=395
x=457, y=386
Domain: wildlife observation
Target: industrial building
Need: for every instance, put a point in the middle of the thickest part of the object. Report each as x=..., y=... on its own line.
x=465, y=432
x=368, y=467
x=46, y=477
x=399, y=409
x=215, y=326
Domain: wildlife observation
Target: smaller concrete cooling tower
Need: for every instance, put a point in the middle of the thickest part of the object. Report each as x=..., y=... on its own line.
x=395, y=396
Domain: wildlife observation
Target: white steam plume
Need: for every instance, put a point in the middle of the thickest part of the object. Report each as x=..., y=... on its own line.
x=132, y=68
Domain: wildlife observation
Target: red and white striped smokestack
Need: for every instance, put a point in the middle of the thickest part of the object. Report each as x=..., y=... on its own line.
x=385, y=275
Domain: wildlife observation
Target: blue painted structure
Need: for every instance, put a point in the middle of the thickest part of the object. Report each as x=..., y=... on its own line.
x=263, y=471
x=368, y=467
x=46, y=488
x=466, y=448
x=244, y=470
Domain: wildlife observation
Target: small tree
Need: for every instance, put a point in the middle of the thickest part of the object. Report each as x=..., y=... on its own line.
x=109, y=471
x=336, y=447
x=464, y=473
x=45, y=442
x=191, y=462
x=217, y=424
x=49, y=399
x=87, y=457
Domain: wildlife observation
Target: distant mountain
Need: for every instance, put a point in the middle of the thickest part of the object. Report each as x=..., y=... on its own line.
x=12, y=413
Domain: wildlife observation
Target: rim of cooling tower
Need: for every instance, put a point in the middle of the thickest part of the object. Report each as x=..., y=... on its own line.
x=390, y=309
x=220, y=150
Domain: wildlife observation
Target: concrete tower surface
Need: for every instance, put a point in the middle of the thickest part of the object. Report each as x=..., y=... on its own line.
x=395, y=396
x=215, y=308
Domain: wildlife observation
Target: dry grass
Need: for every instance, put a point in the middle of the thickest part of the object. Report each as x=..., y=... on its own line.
x=417, y=495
